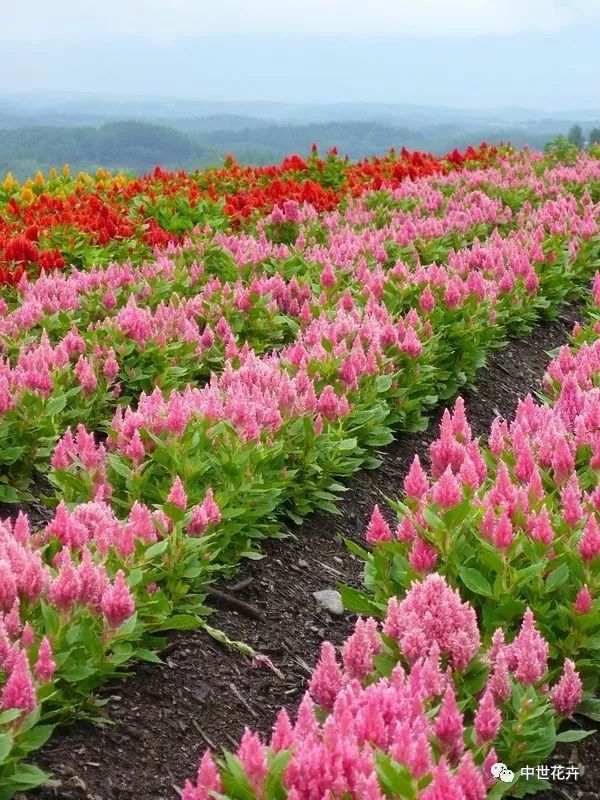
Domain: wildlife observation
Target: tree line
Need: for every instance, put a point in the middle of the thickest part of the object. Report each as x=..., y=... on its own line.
x=139, y=146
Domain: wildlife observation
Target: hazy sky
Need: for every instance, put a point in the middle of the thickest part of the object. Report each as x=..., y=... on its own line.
x=539, y=53
x=165, y=19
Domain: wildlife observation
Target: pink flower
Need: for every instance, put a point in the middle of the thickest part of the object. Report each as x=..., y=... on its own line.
x=470, y=779
x=12, y=620
x=177, y=495
x=447, y=491
x=448, y=726
x=92, y=581
x=210, y=507
x=327, y=679
x=110, y=370
x=433, y=612
x=191, y=792
x=369, y=788
x=411, y=344
x=140, y=523
x=528, y=653
x=487, y=719
x=589, y=544
x=331, y=406
x=283, y=732
x=134, y=449
x=86, y=375
x=360, y=648
x=423, y=556
x=503, y=535
x=444, y=785
x=406, y=532
x=378, y=529
x=117, y=603
x=208, y=780
x=8, y=586
x=253, y=757
x=19, y=691
x=420, y=760
x=571, y=497
x=21, y=530
x=45, y=666
x=583, y=602
x=65, y=590
x=415, y=482
x=567, y=693
x=498, y=681
x=27, y=636
x=198, y=523
x=542, y=527
x=427, y=300
x=490, y=760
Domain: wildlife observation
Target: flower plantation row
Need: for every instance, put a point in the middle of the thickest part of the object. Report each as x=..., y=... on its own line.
x=53, y=223
x=281, y=358
x=410, y=269
x=425, y=700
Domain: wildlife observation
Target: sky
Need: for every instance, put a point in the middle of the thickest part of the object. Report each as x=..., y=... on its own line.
x=466, y=53
x=168, y=19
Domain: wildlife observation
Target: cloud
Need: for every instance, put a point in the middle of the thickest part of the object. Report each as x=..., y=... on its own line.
x=30, y=20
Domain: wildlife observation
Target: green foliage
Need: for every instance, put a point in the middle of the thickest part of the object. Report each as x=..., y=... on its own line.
x=575, y=136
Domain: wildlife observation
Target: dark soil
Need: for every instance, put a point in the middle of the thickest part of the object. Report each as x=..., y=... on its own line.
x=204, y=694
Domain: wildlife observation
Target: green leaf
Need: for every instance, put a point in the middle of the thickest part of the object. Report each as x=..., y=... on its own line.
x=590, y=708
x=28, y=777
x=148, y=655
x=10, y=716
x=395, y=777
x=357, y=549
x=55, y=405
x=475, y=581
x=78, y=674
x=11, y=454
x=524, y=787
x=156, y=549
x=432, y=519
x=6, y=742
x=8, y=494
x=118, y=466
x=557, y=577
x=383, y=383
x=36, y=737
x=573, y=736
x=360, y=603
x=181, y=622
x=524, y=575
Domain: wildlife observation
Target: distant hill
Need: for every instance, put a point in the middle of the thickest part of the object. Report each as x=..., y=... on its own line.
x=33, y=138
x=128, y=145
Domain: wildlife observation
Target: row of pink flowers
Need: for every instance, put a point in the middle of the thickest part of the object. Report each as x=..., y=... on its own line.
x=354, y=256
x=414, y=716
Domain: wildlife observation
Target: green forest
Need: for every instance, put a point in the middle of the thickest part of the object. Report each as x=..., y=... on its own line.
x=138, y=146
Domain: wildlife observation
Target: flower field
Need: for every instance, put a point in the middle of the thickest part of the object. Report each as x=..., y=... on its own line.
x=47, y=224
x=190, y=361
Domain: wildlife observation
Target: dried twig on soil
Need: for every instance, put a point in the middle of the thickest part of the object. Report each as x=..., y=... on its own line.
x=243, y=584
x=235, y=604
x=242, y=700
